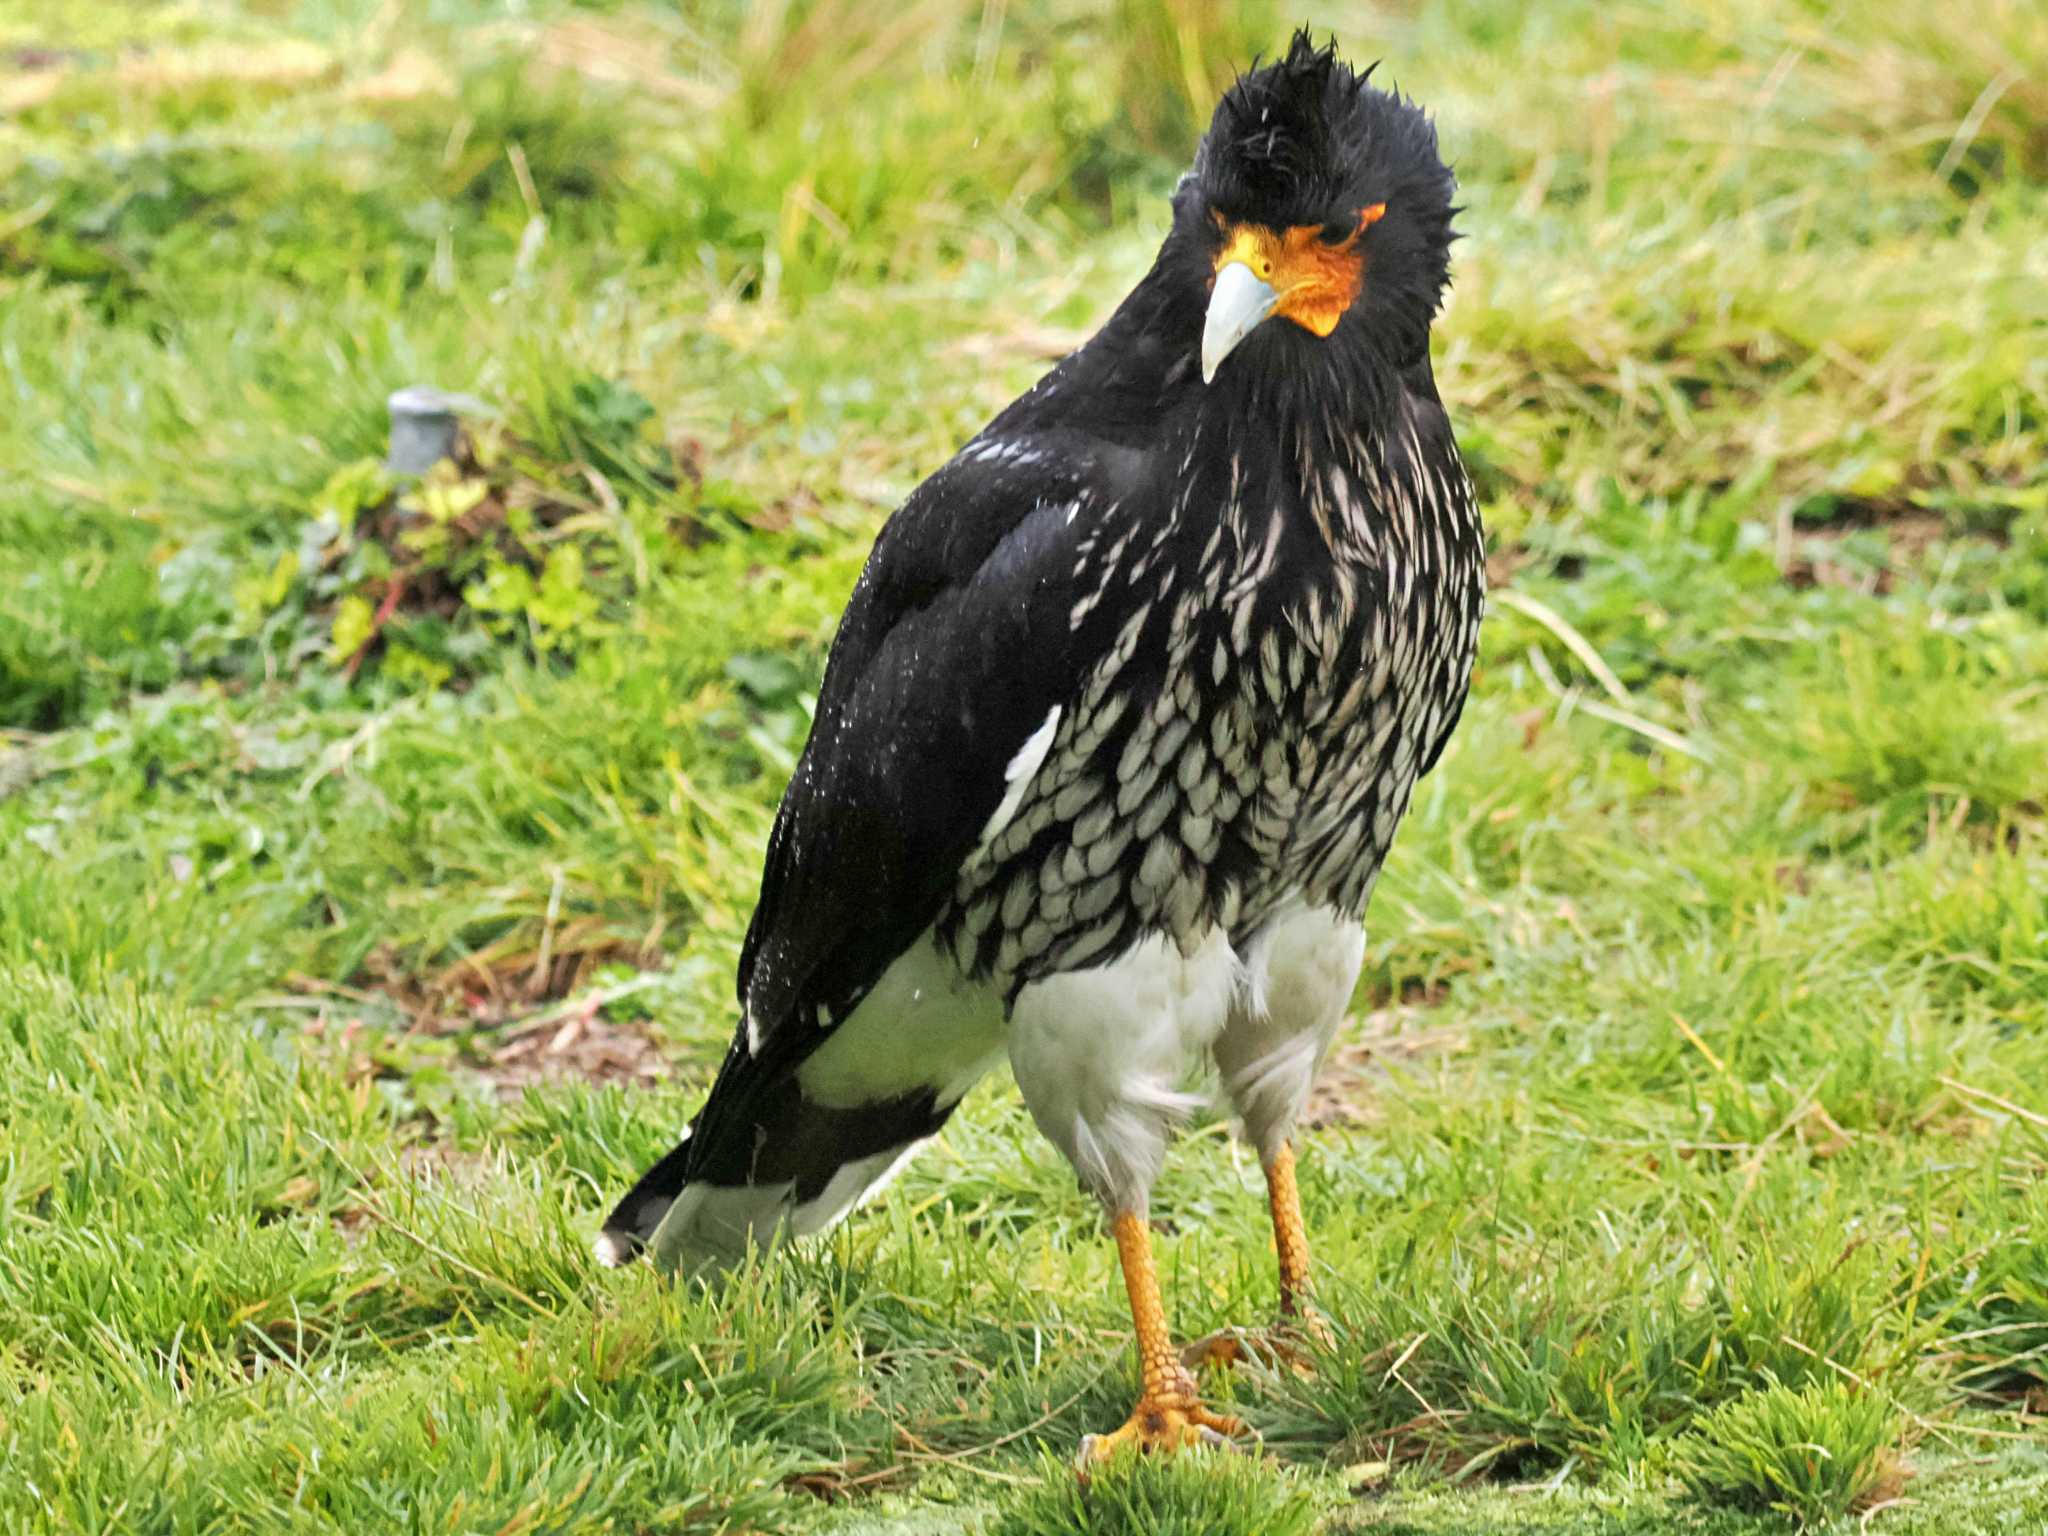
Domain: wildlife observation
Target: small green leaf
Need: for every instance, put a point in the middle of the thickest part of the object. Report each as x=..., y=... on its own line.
x=352, y=489
x=355, y=622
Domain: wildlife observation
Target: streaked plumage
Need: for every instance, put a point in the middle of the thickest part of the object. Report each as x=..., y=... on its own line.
x=1124, y=710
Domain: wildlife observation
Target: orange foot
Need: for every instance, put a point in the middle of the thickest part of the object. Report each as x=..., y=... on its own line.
x=1165, y=1424
x=1286, y=1343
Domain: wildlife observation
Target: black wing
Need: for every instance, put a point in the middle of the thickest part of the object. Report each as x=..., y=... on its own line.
x=955, y=645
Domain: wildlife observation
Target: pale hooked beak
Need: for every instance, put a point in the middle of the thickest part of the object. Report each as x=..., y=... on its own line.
x=1239, y=301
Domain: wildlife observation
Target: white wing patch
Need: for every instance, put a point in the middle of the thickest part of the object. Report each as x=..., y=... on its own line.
x=922, y=1025
x=1018, y=777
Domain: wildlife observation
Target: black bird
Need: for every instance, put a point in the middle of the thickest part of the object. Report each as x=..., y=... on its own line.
x=1119, y=723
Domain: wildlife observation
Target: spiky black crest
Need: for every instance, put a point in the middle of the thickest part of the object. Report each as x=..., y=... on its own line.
x=1272, y=143
x=1308, y=140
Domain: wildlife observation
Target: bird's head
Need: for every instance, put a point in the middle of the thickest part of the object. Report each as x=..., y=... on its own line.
x=1318, y=214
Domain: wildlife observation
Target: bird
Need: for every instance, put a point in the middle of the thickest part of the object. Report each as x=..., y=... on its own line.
x=1117, y=727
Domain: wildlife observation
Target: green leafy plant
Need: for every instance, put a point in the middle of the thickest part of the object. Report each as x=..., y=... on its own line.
x=538, y=541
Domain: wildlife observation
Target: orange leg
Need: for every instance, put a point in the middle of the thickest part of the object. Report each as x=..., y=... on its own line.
x=1290, y=1239
x=1169, y=1413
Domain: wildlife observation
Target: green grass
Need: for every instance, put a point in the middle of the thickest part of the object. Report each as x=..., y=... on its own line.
x=1683, y=1167
x=1806, y=1454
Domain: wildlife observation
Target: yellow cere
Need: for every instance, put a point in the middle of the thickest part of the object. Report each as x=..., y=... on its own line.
x=1316, y=278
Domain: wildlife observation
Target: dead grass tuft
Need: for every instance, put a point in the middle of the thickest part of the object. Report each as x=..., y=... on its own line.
x=1382, y=1042
x=585, y=1046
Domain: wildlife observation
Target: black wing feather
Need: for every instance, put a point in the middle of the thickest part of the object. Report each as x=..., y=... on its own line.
x=953, y=648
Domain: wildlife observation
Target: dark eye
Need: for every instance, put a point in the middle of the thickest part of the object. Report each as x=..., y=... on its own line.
x=1337, y=234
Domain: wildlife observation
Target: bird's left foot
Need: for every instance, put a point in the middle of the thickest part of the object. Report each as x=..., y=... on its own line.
x=1289, y=1342
x=1165, y=1423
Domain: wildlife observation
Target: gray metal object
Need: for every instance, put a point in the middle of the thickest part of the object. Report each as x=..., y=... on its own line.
x=424, y=424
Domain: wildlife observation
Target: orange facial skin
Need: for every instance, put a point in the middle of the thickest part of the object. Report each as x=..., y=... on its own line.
x=1315, y=278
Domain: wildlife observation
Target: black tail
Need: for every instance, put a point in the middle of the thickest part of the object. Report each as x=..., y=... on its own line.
x=633, y=1220
x=761, y=1158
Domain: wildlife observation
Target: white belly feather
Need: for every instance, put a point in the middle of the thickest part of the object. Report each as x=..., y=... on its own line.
x=1299, y=976
x=1103, y=1056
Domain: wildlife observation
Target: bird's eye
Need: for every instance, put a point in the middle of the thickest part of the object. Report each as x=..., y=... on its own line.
x=1337, y=234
